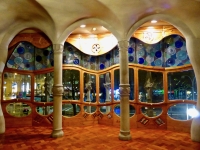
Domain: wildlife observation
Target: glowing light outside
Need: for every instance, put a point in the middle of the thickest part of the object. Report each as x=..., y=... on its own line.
x=192, y=112
x=116, y=94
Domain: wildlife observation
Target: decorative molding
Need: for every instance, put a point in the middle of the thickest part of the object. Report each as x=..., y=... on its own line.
x=144, y=121
x=155, y=34
x=96, y=48
x=57, y=90
x=58, y=48
x=50, y=118
x=124, y=89
x=123, y=45
x=37, y=39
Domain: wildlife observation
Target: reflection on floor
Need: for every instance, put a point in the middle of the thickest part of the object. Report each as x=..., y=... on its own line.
x=97, y=137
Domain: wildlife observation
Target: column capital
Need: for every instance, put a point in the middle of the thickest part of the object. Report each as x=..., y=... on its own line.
x=123, y=44
x=58, y=48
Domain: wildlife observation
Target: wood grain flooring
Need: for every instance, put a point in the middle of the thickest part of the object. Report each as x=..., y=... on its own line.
x=97, y=137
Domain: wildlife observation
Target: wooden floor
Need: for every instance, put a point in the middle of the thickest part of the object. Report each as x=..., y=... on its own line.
x=97, y=137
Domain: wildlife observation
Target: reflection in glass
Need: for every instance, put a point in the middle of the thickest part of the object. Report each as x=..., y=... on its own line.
x=105, y=109
x=117, y=82
x=180, y=111
x=182, y=85
x=89, y=88
x=90, y=109
x=151, y=111
x=43, y=87
x=16, y=86
x=71, y=84
x=150, y=86
x=70, y=110
x=131, y=109
x=45, y=110
x=18, y=109
x=104, y=88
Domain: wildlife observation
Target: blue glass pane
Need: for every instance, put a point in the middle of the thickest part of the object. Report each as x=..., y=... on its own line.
x=22, y=57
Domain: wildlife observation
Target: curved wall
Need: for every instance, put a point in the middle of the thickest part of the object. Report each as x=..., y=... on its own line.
x=100, y=105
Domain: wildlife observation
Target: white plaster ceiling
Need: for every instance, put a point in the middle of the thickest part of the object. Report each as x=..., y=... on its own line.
x=58, y=17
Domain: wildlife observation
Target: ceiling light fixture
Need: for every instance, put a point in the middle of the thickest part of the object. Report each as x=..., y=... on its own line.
x=150, y=27
x=94, y=29
x=153, y=21
x=83, y=26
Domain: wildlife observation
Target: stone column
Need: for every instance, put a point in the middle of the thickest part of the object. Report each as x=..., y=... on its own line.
x=2, y=120
x=124, y=89
x=57, y=92
x=193, y=47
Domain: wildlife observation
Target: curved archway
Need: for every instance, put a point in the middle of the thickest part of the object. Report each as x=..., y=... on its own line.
x=192, y=46
x=180, y=25
x=76, y=24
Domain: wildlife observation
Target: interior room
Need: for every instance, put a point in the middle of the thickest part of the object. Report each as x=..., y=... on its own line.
x=120, y=70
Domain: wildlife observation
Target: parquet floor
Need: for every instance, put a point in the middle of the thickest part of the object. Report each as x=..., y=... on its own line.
x=97, y=137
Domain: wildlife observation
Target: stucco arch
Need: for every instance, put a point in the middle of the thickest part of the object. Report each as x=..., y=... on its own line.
x=76, y=24
x=176, y=22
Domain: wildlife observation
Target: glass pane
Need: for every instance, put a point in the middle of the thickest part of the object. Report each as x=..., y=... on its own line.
x=104, y=88
x=182, y=85
x=116, y=85
x=150, y=86
x=131, y=109
x=46, y=110
x=89, y=88
x=117, y=82
x=151, y=111
x=70, y=110
x=16, y=86
x=180, y=111
x=131, y=82
x=71, y=84
x=43, y=87
x=105, y=109
x=18, y=109
x=90, y=109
